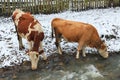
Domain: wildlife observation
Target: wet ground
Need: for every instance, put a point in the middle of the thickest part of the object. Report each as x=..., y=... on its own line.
x=66, y=67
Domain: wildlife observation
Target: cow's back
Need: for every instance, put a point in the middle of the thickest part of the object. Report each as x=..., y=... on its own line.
x=72, y=30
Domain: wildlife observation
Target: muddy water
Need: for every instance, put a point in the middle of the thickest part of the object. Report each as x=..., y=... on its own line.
x=66, y=67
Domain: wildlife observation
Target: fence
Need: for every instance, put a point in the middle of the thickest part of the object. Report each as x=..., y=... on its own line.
x=53, y=6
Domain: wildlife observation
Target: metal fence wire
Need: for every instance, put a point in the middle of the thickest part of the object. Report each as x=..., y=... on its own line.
x=53, y=6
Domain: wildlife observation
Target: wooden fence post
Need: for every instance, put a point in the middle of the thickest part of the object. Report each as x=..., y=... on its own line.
x=53, y=6
x=119, y=2
x=110, y=4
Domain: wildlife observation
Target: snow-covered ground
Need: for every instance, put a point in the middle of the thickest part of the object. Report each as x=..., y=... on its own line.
x=106, y=21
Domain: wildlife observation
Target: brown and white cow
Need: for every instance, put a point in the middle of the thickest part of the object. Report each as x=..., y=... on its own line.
x=29, y=28
x=83, y=33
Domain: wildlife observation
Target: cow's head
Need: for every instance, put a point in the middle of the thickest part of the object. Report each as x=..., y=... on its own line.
x=34, y=58
x=103, y=50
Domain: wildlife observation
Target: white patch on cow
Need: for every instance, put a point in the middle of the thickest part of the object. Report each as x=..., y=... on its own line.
x=38, y=27
x=22, y=35
x=30, y=44
x=18, y=11
x=41, y=46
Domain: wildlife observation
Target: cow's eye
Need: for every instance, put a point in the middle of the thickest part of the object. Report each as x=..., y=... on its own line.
x=37, y=55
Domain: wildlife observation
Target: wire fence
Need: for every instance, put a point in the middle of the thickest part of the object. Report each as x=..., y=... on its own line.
x=53, y=6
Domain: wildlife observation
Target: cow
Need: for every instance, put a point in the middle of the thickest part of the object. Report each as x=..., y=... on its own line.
x=29, y=28
x=84, y=34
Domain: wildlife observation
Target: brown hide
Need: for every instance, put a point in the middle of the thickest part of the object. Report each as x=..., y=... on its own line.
x=24, y=23
x=77, y=31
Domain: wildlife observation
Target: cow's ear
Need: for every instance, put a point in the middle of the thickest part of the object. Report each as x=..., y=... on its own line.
x=27, y=52
x=41, y=52
x=13, y=17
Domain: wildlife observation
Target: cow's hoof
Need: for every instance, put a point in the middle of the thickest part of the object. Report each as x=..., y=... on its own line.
x=84, y=56
x=21, y=48
x=77, y=58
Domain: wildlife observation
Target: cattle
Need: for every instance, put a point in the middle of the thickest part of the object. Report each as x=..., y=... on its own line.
x=84, y=34
x=29, y=28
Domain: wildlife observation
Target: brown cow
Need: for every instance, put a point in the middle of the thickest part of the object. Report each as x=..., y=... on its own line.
x=29, y=28
x=83, y=33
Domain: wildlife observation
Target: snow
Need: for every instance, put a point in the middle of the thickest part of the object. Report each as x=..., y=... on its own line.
x=106, y=21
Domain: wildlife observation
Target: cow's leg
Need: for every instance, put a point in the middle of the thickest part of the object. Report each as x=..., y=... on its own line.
x=57, y=43
x=19, y=39
x=41, y=50
x=30, y=45
x=58, y=47
x=20, y=43
x=58, y=37
x=44, y=56
x=83, y=52
x=79, y=49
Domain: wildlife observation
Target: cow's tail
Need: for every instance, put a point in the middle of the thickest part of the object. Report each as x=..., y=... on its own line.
x=52, y=29
x=52, y=32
